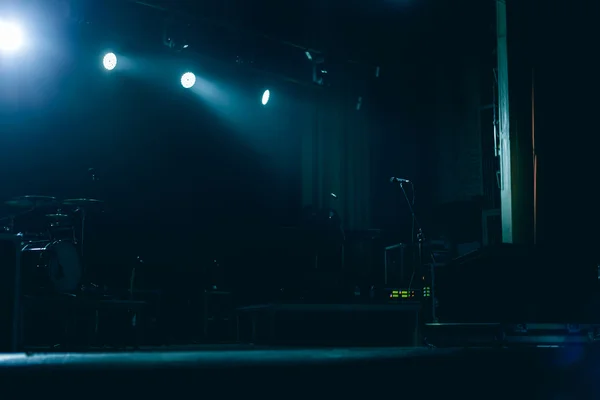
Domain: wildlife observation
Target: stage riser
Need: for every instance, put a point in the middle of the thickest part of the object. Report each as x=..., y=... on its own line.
x=332, y=329
x=457, y=335
x=513, y=284
x=498, y=335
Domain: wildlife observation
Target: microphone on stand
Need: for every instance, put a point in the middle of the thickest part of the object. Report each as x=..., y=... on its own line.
x=401, y=180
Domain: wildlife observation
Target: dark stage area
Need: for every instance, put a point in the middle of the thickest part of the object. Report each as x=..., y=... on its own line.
x=393, y=197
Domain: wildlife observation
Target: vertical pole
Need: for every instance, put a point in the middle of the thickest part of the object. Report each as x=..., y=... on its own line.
x=506, y=200
x=535, y=159
x=17, y=317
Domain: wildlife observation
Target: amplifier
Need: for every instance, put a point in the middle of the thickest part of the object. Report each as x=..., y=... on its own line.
x=399, y=265
x=406, y=294
x=401, y=294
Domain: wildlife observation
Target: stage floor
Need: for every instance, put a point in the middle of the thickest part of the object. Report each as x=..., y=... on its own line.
x=249, y=370
x=210, y=356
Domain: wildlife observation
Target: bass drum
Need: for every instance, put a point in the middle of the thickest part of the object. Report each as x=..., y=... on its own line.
x=50, y=266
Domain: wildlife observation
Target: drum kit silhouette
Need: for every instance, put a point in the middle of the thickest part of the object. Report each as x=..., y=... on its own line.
x=51, y=233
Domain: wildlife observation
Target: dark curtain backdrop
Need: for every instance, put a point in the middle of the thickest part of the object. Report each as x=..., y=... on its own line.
x=353, y=153
x=566, y=84
x=336, y=159
x=395, y=128
x=451, y=178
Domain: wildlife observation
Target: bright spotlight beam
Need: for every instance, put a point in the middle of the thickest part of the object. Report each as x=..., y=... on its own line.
x=109, y=61
x=265, y=97
x=188, y=80
x=11, y=36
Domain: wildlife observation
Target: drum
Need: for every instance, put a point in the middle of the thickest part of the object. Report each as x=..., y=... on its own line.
x=64, y=232
x=50, y=266
x=60, y=226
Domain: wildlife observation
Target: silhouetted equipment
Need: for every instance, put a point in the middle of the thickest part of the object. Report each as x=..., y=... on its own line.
x=324, y=241
x=10, y=295
x=50, y=251
x=327, y=324
x=58, y=217
x=500, y=335
x=508, y=284
x=27, y=215
x=515, y=283
x=472, y=334
x=49, y=259
x=61, y=226
x=83, y=202
x=50, y=266
x=399, y=265
x=364, y=258
x=324, y=225
x=83, y=207
x=47, y=265
x=218, y=316
x=31, y=202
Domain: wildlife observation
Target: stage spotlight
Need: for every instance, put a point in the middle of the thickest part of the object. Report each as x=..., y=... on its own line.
x=11, y=36
x=109, y=61
x=188, y=80
x=265, y=97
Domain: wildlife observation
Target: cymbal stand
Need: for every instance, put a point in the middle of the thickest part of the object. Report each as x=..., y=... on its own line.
x=11, y=220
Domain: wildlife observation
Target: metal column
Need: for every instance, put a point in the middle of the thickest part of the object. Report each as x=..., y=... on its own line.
x=506, y=197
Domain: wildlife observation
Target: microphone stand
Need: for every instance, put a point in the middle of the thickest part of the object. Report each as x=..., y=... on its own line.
x=419, y=235
x=420, y=239
x=343, y=234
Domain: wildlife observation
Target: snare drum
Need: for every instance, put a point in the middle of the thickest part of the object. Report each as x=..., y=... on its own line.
x=50, y=266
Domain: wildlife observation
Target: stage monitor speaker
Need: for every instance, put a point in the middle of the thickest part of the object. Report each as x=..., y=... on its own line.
x=516, y=284
x=399, y=266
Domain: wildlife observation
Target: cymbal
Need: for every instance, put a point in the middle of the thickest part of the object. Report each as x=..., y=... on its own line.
x=83, y=202
x=58, y=216
x=31, y=201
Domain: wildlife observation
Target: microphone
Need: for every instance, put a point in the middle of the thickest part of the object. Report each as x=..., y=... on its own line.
x=401, y=180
